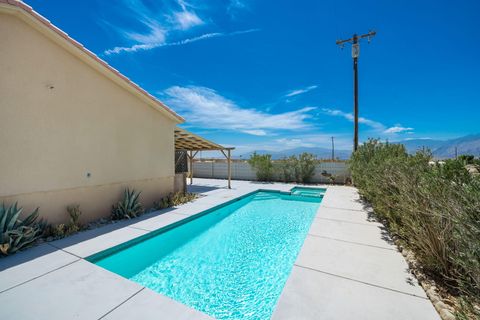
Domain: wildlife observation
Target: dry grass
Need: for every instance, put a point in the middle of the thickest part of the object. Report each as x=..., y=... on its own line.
x=433, y=209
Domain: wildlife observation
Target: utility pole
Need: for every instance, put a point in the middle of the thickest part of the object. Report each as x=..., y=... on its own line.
x=355, y=41
x=333, y=150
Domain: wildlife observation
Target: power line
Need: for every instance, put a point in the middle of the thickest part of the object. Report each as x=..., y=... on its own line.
x=355, y=41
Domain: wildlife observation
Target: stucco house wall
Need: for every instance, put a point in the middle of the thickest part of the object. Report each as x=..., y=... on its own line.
x=71, y=131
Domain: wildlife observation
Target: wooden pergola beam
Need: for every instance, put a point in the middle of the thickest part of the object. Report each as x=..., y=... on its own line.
x=187, y=141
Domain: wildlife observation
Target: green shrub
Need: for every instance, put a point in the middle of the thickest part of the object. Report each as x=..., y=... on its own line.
x=433, y=209
x=17, y=234
x=466, y=158
x=307, y=162
x=288, y=169
x=299, y=169
x=129, y=207
x=174, y=199
x=263, y=166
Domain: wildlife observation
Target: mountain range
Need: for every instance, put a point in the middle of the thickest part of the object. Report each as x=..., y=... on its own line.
x=442, y=149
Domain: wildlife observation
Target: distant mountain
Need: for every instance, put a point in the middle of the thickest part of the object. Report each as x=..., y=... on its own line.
x=321, y=153
x=414, y=145
x=443, y=149
x=465, y=145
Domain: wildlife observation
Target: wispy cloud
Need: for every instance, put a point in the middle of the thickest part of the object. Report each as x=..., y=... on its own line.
x=186, y=20
x=300, y=91
x=162, y=28
x=153, y=45
x=398, y=129
x=311, y=140
x=377, y=126
x=234, y=6
x=294, y=143
x=371, y=123
x=206, y=108
x=256, y=132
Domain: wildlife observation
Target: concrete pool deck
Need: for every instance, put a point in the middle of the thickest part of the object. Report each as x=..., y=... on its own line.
x=347, y=268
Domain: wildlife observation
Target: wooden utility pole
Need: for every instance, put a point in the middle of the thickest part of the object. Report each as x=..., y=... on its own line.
x=333, y=150
x=354, y=40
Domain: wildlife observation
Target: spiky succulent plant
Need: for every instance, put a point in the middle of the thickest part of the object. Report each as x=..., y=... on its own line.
x=16, y=234
x=129, y=207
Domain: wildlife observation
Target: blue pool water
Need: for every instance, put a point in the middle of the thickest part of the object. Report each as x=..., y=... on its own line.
x=308, y=192
x=231, y=263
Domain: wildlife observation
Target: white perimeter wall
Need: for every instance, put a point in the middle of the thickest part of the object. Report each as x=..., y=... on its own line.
x=243, y=171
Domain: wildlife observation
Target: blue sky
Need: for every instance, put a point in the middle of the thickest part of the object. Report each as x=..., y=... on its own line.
x=267, y=74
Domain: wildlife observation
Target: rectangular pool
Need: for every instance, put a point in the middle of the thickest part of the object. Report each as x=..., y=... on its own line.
x=231, y=262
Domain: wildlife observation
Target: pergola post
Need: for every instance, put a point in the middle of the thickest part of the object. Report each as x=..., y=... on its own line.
x=191, y=166
x=229, y=169
x=229, y=165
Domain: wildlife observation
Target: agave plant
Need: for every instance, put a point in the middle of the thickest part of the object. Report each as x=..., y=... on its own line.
x=129, y=207
x=16, y=234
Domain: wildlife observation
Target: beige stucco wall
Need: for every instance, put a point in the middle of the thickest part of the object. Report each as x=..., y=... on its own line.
x=180, y=182
x=61, y=120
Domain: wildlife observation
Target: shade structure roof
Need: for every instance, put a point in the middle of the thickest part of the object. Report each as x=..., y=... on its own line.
x=192, y=144
x=185, y=140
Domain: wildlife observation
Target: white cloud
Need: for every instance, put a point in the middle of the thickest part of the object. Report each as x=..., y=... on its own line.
x=237, y=4
x=294, y=143
x=371, y=123
x=234, y=6
x=425, y=138
x=256, y=132
x=156, y=34
x=300, y=91
x=309, y=140
x=153, y=45
x=205, y=107
x=186, y=20
x=162, y=28
x=156, y=26
x=398, y=129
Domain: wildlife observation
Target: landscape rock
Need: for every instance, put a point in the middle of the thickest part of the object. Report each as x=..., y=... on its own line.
x=446, y=315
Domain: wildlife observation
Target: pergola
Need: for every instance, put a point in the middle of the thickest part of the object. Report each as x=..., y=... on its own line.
x=192, y=144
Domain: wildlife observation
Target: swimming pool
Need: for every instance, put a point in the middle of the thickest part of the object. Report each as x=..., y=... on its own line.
x=231, y=262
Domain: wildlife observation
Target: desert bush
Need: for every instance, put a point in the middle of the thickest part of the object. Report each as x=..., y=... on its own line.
x=63, y=230
x=288, y=169
x=299, y=169
x=174, y=199
x=306, y=162
x=433, y=209
x=17, y=234
x=263, y=166
x=74, y=214
x=129, y=207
